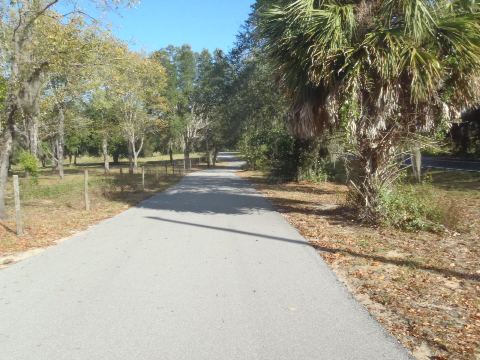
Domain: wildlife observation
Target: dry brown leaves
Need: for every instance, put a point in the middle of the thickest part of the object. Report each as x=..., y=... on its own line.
x=423, y=287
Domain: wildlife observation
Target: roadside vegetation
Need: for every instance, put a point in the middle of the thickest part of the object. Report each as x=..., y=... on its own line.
x=353, y=93
x=331, y=104
x=75, y=97
x=54, y=208
x=69, y=89
x=422, y=285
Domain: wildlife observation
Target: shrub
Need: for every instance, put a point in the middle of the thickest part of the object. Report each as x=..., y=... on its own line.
x=417, y=207
x=325, y=170
x=29, y=164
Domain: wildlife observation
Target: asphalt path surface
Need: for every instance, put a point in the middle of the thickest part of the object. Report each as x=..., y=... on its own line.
x=450, y=164
x=205, y=270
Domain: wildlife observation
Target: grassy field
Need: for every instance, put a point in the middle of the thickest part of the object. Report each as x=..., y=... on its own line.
x=85, y=160
x=424, y=287
x=55, y=208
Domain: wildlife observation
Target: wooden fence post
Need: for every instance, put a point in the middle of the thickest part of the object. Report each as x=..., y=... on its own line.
x=166, y=167
x=18, y=210
x=143, y=177
x=87, y=198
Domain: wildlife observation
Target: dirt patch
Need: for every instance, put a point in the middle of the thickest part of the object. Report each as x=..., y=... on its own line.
x=423, y=287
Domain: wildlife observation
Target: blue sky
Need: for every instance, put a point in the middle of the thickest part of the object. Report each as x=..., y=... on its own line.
x=154, y=24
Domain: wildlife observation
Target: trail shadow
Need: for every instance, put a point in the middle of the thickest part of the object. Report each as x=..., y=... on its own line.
x=242, y=232
x=334, y=214
x=128, y=189
x=8, y=229
x=401, y=262
x=383, y=259
x=289, y=185
x=309, y=190
x=202, y=193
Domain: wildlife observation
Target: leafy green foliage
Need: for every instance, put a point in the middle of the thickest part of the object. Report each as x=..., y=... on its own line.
x=29, y=164
x=464, y=138
x=417, y=207
x=383, y=71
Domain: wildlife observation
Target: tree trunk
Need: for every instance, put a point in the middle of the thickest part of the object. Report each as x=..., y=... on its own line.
x=60, y=167
x=416, y=159
x=215, y=154
x=209, y=155
x=106, y=163
x=133, y=154
x=131, y=165
x=368, y=180
x=186, y=159
x=186, y=152
x=28, y=101
x=170, y=153
x=75, y=159
x=6, y=143
x=135, y=161
x=69, y=159
x=61, y=142
x=32, y=135
x=116, y=158
x=54, y=146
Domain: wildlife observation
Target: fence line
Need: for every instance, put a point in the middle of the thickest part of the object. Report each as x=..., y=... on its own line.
x=154, y=171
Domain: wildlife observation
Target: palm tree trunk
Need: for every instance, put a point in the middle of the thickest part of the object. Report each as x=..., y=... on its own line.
x=368, y=181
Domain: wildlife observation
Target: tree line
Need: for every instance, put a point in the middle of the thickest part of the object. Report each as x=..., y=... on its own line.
x=310, y=87
x=372, y=81
x=69, y=87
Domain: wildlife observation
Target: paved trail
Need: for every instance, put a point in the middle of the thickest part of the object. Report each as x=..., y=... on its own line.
x=450, y=164
x=204, y=271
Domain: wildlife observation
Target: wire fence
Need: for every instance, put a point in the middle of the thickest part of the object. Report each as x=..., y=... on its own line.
x=84, y=184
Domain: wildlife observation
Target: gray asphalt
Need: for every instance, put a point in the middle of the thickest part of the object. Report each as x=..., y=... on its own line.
x=450, y=164
x=206, y=270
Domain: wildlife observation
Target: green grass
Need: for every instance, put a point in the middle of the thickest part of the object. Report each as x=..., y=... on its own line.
x=85, y=160
x=54, y=208
x=92, y=162
x=436, y=203
x=49, y=186
x=460, y=181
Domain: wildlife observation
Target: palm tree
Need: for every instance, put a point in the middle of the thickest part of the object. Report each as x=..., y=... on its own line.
x=383, y=70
